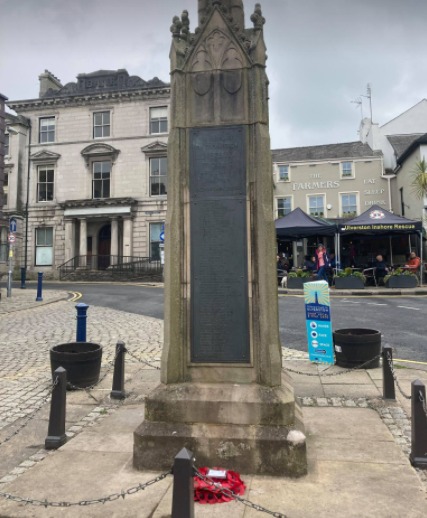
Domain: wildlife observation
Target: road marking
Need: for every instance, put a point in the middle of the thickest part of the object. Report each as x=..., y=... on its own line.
x=376, y=304
x=409, y=361
x=409, y=307
x=76, y=295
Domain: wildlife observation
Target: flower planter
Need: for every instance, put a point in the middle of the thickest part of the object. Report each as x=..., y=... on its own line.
x=402, y=281
x=350, y=282
x=297, y=283
x=81, y=360
x=354, y=347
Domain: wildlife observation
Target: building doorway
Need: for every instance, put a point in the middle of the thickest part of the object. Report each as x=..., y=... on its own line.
x=104, y=247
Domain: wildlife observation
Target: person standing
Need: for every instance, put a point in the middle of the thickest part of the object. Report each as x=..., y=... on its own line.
x=322, y=262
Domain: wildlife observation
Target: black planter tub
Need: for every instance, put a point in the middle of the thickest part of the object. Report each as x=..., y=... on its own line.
x=402, y=281
x=354, y=347
x=81, y=360
x=297, y=283
x=350, y=282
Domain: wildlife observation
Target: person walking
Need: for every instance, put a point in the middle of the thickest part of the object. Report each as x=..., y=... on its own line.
x=322, y=262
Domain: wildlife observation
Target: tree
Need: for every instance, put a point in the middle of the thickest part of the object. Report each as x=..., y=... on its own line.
x=419, y=178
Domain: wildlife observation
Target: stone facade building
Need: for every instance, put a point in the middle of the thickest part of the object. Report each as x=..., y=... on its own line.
x=88, y=170
x=330, y=181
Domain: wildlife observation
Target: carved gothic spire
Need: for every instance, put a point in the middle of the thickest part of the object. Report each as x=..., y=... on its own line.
x=234, y=8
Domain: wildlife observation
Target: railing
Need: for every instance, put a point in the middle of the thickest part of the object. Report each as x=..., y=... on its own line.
x=117, y=266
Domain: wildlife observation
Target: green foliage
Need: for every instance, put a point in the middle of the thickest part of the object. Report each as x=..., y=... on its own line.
x=398, y=271
x=349, y=272
x=300, y=273
x=419, y=179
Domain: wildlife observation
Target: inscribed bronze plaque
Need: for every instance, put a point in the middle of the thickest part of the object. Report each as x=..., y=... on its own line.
x=219, y=276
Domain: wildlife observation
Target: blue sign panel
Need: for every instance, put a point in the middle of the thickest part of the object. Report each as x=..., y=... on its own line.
x=162, y=236
x=12, y=225
x=318, y=322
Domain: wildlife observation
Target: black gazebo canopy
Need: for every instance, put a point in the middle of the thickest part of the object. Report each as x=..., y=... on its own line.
x=377, y=220
x=297, y=224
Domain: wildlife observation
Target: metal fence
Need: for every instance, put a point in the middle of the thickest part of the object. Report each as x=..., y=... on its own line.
x=114, y=266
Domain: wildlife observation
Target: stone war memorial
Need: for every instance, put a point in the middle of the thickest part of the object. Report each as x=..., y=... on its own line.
x=223, y=394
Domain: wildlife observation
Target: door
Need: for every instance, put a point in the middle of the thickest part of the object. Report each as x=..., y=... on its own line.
x=104, y=247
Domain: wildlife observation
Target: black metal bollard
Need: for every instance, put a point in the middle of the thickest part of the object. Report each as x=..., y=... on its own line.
x=118, y=390
x=39, y=296
x=183, y=485
x=418, y=456
x=56, y=432
x=388, y=379
x=23, y=277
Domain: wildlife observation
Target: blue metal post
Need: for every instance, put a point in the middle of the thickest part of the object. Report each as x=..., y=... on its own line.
x=23, y=277
x=81, y=322
x=39, y=286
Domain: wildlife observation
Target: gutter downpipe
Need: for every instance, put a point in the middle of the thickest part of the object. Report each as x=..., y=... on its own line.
x=24, y=271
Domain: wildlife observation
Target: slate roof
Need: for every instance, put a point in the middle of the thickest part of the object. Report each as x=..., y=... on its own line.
x=325, y=152
x=400, y=143
x=421, y=140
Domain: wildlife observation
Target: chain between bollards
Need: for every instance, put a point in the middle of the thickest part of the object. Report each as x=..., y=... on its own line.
x=230, y=494
x=331, y=374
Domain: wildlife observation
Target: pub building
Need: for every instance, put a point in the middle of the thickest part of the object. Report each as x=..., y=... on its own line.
x=336, y=183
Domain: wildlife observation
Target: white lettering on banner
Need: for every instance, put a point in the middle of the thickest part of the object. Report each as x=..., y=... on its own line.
x=374, y=192
x=305, y=186
x=374, y=202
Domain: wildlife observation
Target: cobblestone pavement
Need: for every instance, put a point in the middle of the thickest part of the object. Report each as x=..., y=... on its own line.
x=26, y=337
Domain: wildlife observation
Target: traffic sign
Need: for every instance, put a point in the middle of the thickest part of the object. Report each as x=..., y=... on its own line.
x=12, y=238
x=12, y=225
x=162, y=236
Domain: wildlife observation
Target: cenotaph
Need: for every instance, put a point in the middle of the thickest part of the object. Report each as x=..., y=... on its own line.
x=223, y=394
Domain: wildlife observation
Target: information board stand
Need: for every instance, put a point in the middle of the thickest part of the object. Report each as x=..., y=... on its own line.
x=318, y=322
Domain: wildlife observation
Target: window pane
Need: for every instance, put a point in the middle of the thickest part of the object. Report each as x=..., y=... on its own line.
x=284, y=172
x=44, y=256
x=97, y=131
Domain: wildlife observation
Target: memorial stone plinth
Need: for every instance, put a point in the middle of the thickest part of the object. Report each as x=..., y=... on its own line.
x=223, y=394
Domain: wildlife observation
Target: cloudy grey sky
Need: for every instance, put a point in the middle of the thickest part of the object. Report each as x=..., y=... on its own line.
x=322, y=54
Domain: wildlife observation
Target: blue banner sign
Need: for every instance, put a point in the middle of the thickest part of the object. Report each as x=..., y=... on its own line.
x=318, y=322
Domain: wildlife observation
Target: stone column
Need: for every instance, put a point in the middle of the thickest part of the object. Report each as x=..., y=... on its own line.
x=83, y=241
x=114, y=240
x=70, y=235
x=127, y=237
